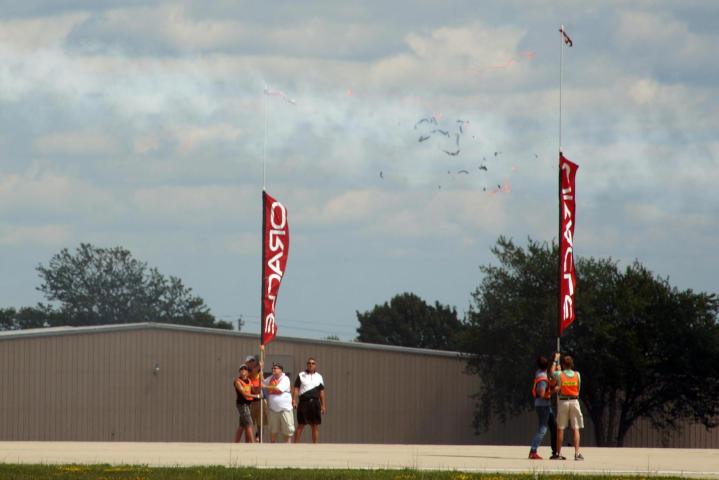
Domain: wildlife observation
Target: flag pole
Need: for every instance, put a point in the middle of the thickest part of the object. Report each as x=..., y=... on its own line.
x=262, y=379
x=262, y=267
x=559, y=227
x=559, y=190
x=264, y=147
x=561, y=80
x=262, y=313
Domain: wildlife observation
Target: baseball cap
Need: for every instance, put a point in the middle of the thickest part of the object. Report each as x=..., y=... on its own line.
x=250, y=358
x=244, y=367
x=278, y=365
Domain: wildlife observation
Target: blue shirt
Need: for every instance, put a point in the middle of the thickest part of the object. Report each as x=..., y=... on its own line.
x=541, y=387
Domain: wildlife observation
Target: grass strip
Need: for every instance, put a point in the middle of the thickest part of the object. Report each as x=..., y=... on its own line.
x=135, y=472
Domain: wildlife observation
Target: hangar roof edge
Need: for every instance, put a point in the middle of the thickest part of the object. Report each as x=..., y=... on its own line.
x=68, y=330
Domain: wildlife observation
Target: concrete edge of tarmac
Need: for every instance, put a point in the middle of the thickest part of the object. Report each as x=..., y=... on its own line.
x=697, y=463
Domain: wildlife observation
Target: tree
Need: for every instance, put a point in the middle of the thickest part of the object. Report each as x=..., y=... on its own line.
x=96, y=286
x=644, y=348
x=27, y=317
x=408, y=321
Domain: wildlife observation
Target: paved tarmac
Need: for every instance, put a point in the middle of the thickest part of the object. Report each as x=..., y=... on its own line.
x=469, y=458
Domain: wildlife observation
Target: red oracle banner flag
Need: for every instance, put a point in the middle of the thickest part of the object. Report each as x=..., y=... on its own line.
x=567, y=276
x=275, y=248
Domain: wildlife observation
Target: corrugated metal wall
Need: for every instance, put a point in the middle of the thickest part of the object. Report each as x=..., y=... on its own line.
x=159, y=383
x=103, y=386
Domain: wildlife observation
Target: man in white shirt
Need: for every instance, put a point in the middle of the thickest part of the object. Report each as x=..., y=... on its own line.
x=281, y=418
x=310, y=388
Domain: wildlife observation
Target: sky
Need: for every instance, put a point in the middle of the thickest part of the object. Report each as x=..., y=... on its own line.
x=144, y=125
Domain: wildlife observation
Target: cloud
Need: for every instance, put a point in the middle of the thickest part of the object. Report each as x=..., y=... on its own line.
x=243, y=244
x=387, y=214
x=663, y=222
x=48, y=195
x=32, y=34
x=205, y=205
x=455, y=59
x=661, y=43
x=175, y=29
x=142, y=124
x=186, y=139
x=82, y=143
x=43, y=235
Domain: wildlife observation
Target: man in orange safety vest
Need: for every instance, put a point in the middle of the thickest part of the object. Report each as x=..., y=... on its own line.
x=542, y=389
x=569, y=383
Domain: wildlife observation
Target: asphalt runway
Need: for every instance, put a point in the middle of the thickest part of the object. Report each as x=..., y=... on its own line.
x=469, y=458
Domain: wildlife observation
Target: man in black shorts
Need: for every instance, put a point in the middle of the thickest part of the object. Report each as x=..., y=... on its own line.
x=311, y=406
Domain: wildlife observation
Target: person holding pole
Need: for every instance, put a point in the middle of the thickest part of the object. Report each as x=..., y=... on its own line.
x=243, y=389
x=542, y=390
x=280, y=416
x=255, y=376
x=569, y=383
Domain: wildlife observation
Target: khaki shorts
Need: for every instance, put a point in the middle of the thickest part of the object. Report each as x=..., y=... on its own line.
x=569, y=413
x=283, y=421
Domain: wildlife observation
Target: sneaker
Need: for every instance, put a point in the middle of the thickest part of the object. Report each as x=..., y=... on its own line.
x=556, y=456
x=578, y=456
x=534, y=456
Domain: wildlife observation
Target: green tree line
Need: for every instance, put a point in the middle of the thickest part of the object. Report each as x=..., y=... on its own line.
x=100, y=286
x=645, y=349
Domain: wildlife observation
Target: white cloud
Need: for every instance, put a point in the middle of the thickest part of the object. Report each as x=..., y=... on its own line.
x=407, y=214
x=47, y=194
x=173, y=28
x=244, y=244
x=644, y=91
x=665, y=221
x=32, y=34
x=194, y=137
x=455, y=59
x=174, y=95
x=195, y=205
x=84, y=143
x=43, y=235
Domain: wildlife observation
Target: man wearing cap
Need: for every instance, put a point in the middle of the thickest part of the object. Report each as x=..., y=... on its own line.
x=310, y=387
x=243, y=389
x=255, y=375
x=280, y=416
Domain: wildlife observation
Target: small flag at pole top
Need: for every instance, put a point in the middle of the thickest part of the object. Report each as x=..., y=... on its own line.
x=567, y=40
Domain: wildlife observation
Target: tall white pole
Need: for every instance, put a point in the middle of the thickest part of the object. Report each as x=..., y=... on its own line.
x=561, y=75
x=559, y=184
x=559, y=236
x=264, y=187
x=264, y=148
x=262, y=400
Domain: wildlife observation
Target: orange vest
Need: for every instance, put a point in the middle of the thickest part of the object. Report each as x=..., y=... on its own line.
x=245, y=388
x=569, y=386
x=255, y=382
x=273, y=383
x=547, y=391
